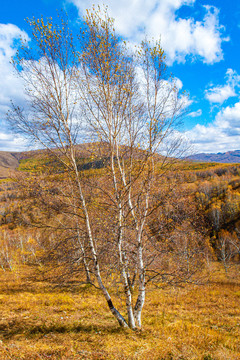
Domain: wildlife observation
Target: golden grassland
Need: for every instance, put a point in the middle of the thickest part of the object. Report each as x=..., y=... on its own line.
x=190, y=322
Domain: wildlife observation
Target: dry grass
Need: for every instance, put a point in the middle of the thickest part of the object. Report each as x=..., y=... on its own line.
x=193, y=322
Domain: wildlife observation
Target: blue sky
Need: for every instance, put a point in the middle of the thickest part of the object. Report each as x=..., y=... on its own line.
x=201, y=42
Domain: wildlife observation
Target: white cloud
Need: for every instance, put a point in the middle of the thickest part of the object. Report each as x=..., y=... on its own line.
x=178, y=83
x=222, y=135
x=195, y=113
x=229, y=117
x=9, y=142
x=180, y=37
x=9, y=34
x=10, y=85
x=218, y=94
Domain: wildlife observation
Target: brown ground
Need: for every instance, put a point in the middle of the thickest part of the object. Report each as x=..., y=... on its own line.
x=193, y=322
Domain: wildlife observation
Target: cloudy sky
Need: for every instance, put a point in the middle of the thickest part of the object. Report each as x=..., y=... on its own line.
x=201, y=42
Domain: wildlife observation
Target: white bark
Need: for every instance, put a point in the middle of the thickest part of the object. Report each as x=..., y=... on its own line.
x=122, y=263
x=97, y=273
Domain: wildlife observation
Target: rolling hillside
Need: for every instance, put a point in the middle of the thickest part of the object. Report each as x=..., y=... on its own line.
x=8, y=160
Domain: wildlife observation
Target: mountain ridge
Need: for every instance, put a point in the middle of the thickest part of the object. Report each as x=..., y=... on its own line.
x=225, y=157
x=9, y=160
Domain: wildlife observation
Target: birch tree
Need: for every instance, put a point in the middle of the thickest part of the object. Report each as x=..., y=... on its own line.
x=123, y=98
x=47, y=69
x=129, y=104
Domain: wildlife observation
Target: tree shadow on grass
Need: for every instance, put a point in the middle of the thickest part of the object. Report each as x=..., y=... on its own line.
x=10, y=286
x=30, y=329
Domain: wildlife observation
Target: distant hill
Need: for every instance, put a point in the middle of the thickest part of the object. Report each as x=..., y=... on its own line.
x=9, y=161
x=227, y=157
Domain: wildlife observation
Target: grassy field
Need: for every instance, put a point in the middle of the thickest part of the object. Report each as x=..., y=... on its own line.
x=191, y=322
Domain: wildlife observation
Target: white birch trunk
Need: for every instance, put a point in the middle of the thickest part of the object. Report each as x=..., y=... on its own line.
x=141, y=289
x=122, y=322
x=127, y=289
